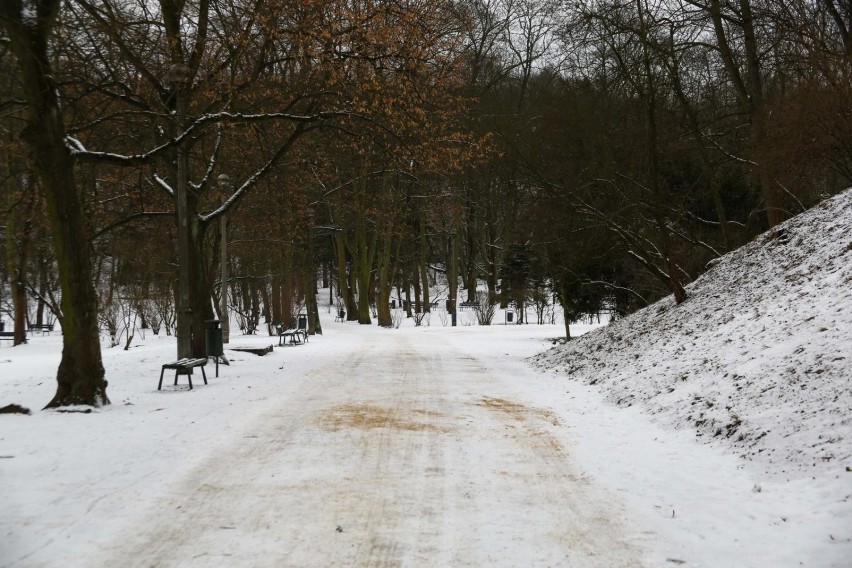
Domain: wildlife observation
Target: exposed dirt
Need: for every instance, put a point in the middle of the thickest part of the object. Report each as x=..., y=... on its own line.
x=517, y=411
x=369, y=416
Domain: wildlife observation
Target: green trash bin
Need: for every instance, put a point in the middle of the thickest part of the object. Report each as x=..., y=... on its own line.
x=213, y=339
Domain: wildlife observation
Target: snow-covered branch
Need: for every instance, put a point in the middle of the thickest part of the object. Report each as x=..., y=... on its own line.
x=256, y=176
x=81, y=154
x=164, y=185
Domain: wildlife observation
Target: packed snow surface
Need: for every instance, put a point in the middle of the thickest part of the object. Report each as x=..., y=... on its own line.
x=439, y=446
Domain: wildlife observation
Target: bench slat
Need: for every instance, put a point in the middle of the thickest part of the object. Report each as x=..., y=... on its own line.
x=181, y=363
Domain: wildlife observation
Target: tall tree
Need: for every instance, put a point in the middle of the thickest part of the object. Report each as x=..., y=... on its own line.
x=29, y=26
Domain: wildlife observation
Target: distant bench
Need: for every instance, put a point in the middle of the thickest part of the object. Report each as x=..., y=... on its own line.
x=297, y=335
x=10, y=335
x=43, y=328
x=184, y=367
x=466, y=304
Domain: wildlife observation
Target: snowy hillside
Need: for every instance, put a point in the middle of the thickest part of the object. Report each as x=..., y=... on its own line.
x=758, y=359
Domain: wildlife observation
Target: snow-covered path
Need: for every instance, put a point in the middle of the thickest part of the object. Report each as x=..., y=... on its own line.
x=420, y=446
x=388, y=454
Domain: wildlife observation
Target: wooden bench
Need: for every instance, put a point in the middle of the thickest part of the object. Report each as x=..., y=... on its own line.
x=466, y=304
x=184, y=367
x=10, y=335
x=297, y=335
x=294, y=335
x=43, y=328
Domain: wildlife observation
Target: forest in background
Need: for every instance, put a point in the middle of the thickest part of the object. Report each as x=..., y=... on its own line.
x=595, y=154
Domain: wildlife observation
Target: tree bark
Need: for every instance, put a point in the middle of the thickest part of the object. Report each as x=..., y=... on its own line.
x=343, y=287
x=383, y=312
x=366, y=248
x=750, y=95
x=650, y=100
x=424, y=266
x=18, y=245
x=80, y=377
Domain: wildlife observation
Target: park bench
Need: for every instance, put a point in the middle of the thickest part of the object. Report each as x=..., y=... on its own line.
x=184, y=367
x=466, y=304
x=10, y=335
x=297, y=335
x=43, y=328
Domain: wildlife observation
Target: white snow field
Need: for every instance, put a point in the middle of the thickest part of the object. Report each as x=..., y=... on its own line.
x=439, y=446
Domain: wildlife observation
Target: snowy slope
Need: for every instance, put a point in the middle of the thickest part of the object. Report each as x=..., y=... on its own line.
x=758, y=359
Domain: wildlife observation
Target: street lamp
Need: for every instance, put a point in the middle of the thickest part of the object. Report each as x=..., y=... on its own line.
x=224, y=182
x=179, y=77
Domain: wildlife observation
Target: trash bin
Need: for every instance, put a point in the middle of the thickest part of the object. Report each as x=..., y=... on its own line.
x=510, y=317
x=393, y=304
x=302, y=321
x=213, y=339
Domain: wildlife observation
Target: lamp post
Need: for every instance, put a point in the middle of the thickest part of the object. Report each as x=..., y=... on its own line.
x=179, y=77
x=224, y=182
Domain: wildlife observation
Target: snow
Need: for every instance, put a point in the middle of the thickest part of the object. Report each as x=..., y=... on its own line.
x=758, y=361
x=436, y=446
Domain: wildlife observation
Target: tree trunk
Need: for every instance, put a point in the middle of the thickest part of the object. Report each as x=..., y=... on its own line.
x=17, y=254
x=490, y=253
x=267, y=310
x=343, y=287
x=407, y=306
x=453, y=271
x=424, y=266
x=565, y=316
x=453, y=276
x=352, y=282
x=309, y=285
x=650, y=100
x=42, y=289
x=80, y=377
x=750, y=93
x=200, y=294
x=275, y=299
x=386, y=271
x=364, y=255
x=772, y=199
x=418, y=305
x=19, y=301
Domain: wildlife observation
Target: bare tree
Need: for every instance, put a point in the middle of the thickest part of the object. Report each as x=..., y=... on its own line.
x=29, y=27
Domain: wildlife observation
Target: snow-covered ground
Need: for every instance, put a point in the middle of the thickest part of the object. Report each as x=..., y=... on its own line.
x=439, y=446
x=758, y=360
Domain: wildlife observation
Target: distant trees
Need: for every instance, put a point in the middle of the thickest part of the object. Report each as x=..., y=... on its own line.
x=657, y=129
x=599, y=152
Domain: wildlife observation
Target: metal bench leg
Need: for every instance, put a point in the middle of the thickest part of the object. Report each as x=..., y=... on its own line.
x=204, y=375
x=189, y=378
x=160, y=386
x=176, y=375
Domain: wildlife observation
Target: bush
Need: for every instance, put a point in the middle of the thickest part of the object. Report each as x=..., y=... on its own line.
x=484, y=308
